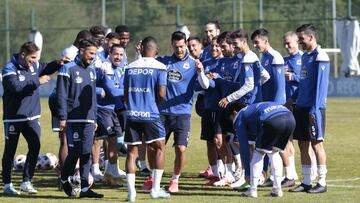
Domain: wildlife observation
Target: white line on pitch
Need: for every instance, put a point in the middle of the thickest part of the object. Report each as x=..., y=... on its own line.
x=341, y=180
x=345, y=186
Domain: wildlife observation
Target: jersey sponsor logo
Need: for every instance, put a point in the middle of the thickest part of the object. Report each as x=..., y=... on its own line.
x=140, y=71
x=174, y=75
x=227, y=76
x=186, y=65
x=303, y=73
x=21, y=78
x=139, y=89
x=144, y=114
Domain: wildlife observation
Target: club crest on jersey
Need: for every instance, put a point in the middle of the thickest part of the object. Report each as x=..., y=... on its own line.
x=76, y=135
x=174, y=75
x=11, y=128
x=298, y=62
x=78, y=80
x=21, y=78
x=186, y=65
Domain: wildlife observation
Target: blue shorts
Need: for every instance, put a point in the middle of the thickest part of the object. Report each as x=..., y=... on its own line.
x=108, y=124
x=121, y=115
x=55, y=122
x=179, y=125
x=210, y=125
x=151, y=130
x=275, y=132
x=306, y=130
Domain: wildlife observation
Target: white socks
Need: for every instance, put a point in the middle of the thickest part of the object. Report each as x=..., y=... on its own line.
x=95, y=169
x=321, y=171
x=131, y=183
x=256, y=166
x=175, y=177
x=276, y=168
x=157, y=175
x=215, y=170
x=306, y=173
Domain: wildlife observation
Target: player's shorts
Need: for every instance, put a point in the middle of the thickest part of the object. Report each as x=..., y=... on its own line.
x=306, y=130
x=179, y=125
x=55, y=121
x=108, y=124
x=210, y=125
x=152, y=131
x=225, y=123
x=199, y=105
x=275, y=132
x=121, y=115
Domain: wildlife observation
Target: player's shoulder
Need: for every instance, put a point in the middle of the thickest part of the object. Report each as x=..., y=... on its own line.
x=147, y=62
x=277, y=58
x=250, y=57
x=321, y=54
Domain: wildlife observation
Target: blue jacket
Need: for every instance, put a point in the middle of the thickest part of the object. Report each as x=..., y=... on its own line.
x=76, y=92
x=21, y=100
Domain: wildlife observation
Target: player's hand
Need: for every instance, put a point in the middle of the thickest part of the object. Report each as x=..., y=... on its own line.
x=103, y=94
x=62, y=125
x=288, y=76
x=138, y=47
x=44, y=79
x=312, y=118
x=199, y=66
x=223, y=102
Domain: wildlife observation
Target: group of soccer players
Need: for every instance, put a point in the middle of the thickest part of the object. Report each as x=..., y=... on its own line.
x=250, y=108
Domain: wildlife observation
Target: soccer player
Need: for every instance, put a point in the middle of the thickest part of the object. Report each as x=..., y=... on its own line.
x=21, y=79
x=145, y=88
x=76, y=96
x=211, y=30
x=110, y=85
x=271, y=124
x=292, y=77
x=310, y=108
x=273, y=62
x=124, y=33
x=210, y=130
x=176, y=109
x=72, y=51
x=195, y=48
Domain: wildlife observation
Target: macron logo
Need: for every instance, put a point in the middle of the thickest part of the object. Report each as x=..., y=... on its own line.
x=144, y=114
x=140, y=71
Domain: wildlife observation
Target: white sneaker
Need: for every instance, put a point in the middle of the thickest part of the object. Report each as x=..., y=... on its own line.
x=159, y=194
x=276, y=192
x=239, y=174
x=238, y=183
x=10, y=190
x=224, y=181
x=28, y=187
x=131, y=197
x=98, y=177
x=250, y=193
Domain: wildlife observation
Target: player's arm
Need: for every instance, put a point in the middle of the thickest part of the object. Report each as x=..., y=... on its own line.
x=246, y=87
x=279, y=84
x=50, y=68
x=264, y=75
x=62, y=90
x=323, y=68
x=202, y=79
x=161, y=87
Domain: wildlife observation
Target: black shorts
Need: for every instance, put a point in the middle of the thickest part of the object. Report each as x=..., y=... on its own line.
x=306, y=130
x=275, y=132
x=179, y=125
x=199, y=105
x=210, y=125
x=225, y=123
x=55, y=121
x=121, y=115
x=150, y=130
x=108, y=124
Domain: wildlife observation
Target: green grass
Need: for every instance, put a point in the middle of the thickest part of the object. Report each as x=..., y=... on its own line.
x=342, y=147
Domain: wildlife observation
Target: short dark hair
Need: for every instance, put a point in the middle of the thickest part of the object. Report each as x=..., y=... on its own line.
x=28, y=48
x=115, y=46
x=97, y=30
x=241, y=33
x=113, y=35
x=194, y=38
x=262, y=32
x=83, y=34
x=308, y=29
x=121, y=28
x=214, y=22
x=88, y=43
x=225, y=36
x=177, y=36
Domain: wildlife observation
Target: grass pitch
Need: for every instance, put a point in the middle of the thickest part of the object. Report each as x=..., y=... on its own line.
x=341, y=144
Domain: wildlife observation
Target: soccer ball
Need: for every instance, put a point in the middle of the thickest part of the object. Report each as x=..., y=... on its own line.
x=53, y=161
x=19, y=162
x=42, y=162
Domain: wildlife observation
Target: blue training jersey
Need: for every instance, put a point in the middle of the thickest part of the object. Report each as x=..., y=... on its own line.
x=142, y=79
x=181, y=85
x=211, y=95
x=206, y=54
x=248, y=119
x=293, y=64
x=274, y=88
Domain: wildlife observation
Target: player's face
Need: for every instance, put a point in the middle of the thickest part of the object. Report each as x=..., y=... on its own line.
x=28, y=60
x=227, y=49
x=291, y=44
x=305, y=41
x=116, y=56
x=260, y=44
x=210, y=31
x=239, y=45
x=215, y=49
x=124, y=38
x=110, y=42
x=195, y=48
x=87, y=54
x=179, y=48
